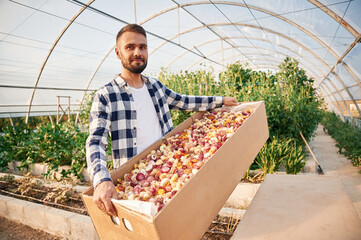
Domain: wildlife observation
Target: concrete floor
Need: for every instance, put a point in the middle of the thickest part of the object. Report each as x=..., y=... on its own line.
x=335, y=164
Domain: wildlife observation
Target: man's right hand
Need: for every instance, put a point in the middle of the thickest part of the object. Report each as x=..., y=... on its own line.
x=103, y=192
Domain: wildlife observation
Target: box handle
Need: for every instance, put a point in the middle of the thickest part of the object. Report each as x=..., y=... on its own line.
x=125, y=222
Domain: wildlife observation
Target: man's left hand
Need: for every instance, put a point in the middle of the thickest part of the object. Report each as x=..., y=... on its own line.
x=230, y=101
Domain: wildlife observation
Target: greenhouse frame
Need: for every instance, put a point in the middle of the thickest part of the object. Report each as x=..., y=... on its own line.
x=180, y=119
x=55, y=52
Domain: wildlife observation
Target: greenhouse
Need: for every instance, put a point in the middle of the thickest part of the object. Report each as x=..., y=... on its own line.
x=284, y=151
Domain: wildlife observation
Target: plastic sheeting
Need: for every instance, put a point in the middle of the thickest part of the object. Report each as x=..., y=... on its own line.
x=322, y=35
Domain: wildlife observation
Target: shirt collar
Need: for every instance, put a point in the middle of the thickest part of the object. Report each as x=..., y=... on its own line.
x=123, y=83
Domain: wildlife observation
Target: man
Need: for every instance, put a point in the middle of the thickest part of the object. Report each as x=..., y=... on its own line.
x=136, y=111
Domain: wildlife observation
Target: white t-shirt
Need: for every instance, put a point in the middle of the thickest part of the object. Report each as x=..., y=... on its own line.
x=148, y=127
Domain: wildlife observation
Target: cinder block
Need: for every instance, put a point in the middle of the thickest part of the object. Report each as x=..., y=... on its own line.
x=57, y=221
x=37, y=169
x=16, y=170
x=34, y=215
x=231, y=212
x=16, y=210
x=3, y=205
x=242, y=195
x=82, y=228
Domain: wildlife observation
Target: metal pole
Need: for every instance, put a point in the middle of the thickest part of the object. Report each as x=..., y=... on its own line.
x=47, y=57
x=12, y=124
x=68, y=109
x=135, y=12
x=57, y=111
x=178, y=27
x=222, y=53
x=51, y=120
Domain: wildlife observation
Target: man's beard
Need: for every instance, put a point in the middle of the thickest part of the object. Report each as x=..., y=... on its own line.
x=134, y=69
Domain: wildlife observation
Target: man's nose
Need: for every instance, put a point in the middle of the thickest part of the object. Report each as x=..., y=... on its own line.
x=137, y=52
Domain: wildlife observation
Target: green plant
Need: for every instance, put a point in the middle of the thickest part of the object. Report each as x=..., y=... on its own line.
x=14, y=144
x=278, y=151
x=290, y=100
x=272, y=155
x=348, y=137
x=291, y=106
x=295, y=161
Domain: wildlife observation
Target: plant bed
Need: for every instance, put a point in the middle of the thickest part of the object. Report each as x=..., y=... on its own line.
x=59, y=196
x=33, y=190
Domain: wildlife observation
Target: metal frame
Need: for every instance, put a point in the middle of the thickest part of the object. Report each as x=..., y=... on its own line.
x=252, y=38
x=339, y=93
x=210, y=26
x=273, y=32
x=336, y=101
x=331, y=104
x=334, y=73
x=89, y=82
x=343, y=56
x=316, y=3
x=250, y=26
x=253, y=8
x=307, y=68
x=50, y=51
x=337, y=18
x=176, y=58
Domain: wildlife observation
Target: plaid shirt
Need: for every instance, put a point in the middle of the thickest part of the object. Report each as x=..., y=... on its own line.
x=113, y=110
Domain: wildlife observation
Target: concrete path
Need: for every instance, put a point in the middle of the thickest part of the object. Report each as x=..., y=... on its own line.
x=335, y=164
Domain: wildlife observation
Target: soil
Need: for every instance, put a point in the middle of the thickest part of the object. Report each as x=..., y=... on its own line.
x=31, y=189
x=10, y=230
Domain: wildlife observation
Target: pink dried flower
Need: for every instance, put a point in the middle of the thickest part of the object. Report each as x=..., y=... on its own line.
x=140, y=177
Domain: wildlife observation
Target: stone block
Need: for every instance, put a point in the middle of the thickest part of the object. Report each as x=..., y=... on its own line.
x=82, y=228
x=3, y=205
x=242, y=195
x=37, y=169
x=57, y=221
x=16, y=210
x=34, y=215
x=231, y=212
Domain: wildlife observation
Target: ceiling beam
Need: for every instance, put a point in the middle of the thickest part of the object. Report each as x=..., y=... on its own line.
x=49, y=53
x=336, y=17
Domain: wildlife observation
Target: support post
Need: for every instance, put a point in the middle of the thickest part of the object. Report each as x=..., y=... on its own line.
x=57, y=110
x=68, y=109
x=12, y=124
x=51, y=120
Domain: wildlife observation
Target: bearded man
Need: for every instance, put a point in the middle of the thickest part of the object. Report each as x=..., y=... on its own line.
x=135, y=109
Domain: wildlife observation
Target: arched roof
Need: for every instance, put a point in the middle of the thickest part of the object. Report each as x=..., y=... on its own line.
x=65, y=48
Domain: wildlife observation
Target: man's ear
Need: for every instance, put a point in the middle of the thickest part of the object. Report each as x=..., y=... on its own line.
x=117, y=52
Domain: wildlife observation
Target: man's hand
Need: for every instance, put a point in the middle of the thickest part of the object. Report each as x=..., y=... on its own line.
x=103, y=192
x=230, y=101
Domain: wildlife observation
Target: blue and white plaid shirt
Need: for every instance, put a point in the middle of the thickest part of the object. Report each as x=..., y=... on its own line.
x=113, y=110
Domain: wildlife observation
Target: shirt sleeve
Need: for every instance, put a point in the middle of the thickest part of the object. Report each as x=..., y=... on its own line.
x=96, y=144
x=192, y=103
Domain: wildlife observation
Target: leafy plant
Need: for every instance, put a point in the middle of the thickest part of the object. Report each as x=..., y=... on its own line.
x=348, y=137
x=290, y=100
x=280, y=151
x=291, y=106
x=14, y=144
x=295, y=161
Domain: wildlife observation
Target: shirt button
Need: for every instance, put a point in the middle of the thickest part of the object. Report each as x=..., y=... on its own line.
x=135, y=144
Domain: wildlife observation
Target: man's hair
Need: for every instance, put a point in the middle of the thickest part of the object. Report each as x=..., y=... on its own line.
x=131, y=28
